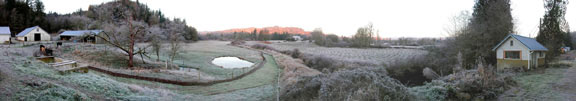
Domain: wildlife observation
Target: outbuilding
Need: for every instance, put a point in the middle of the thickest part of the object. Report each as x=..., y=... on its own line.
x=81, y=36
x=33, y=34
x=519, y=51
x=5, y=34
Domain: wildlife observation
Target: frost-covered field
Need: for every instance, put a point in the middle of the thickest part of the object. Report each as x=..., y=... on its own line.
x=373, y=55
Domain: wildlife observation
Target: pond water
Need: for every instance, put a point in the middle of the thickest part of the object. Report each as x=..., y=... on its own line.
x=231, y=62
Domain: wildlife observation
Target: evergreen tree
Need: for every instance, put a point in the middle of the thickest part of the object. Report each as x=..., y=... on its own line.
x=553, y=27
x=254, y=35
x=491, y=22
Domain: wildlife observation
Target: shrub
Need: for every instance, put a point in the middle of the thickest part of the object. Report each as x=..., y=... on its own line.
x=322, y=63
x=296, y=53
x=356, y=84
x=433, y=91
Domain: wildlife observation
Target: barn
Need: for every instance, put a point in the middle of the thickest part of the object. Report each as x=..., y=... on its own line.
x=33, y=34
x=519, y=51
x=4, y=34
x=81, y=36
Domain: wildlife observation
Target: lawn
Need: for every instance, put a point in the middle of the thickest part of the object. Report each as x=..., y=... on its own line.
x=200, y=55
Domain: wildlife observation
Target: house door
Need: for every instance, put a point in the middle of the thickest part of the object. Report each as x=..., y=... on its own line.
x=534, y=60
x=37, y=37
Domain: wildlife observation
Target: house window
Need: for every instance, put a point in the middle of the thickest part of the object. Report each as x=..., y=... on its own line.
x=512, y=54
x=511, y=43
x=541, y=54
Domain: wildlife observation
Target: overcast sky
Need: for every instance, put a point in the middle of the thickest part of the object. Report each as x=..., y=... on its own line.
x=393, y=18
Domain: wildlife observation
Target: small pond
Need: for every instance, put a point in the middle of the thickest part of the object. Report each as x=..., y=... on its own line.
x=231, y=62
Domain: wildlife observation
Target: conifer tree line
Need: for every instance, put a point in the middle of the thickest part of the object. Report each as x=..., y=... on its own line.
x=21, y=14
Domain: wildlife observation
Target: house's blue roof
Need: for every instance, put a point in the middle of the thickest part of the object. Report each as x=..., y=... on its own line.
x=80, y=32
x=26, y=31
x=4, y=30
x=532, y=44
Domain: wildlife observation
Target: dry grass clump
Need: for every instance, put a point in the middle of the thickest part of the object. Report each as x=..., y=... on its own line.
x=356, y=84
x=430, y=74
x=261, y=46
x=238, y=42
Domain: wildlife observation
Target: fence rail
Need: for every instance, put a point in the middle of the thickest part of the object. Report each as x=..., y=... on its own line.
x=182, y=83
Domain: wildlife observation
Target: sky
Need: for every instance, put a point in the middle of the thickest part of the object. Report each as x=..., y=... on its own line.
x=392, y=18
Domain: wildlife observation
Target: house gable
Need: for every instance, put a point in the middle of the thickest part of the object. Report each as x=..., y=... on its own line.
x=28, y=35
x=515, y=46
x=529, y=43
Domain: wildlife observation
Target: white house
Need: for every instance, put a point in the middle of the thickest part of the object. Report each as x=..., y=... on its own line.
x=33, y=34
x=297, y=38
x=4, y=34
x=81, y=35
x=519, y=51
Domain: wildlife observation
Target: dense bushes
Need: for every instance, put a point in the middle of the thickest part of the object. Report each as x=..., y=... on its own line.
x=322, y=63
x=356, y=84
x=409, y=71
x=480, y=84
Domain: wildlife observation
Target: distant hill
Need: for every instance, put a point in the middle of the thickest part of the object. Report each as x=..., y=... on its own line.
x=277, y=29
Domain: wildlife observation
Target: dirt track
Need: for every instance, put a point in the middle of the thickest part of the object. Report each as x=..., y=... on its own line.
x=567, y=85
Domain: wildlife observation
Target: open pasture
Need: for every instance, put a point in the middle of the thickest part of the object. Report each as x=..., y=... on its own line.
x=372, y=55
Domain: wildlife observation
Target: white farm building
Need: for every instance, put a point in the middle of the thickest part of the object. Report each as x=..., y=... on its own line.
x=519, y=51
x=5, y=34
x=33, y=34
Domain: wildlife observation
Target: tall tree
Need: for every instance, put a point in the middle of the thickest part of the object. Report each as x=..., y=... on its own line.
x=364, y=36
x=254, y=34
x=318, y=37
x=553, y=27
x=491, y=21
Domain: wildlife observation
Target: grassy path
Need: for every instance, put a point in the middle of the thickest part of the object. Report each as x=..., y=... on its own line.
x=557, y=83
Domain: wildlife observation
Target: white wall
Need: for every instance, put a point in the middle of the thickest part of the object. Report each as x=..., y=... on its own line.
x=518, y=46
x=4, y=38
x=44, y=36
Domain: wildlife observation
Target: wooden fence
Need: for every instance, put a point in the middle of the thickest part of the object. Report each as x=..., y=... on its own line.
x=182, y=83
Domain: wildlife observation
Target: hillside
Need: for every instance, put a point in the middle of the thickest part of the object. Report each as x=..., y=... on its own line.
x=274, y=29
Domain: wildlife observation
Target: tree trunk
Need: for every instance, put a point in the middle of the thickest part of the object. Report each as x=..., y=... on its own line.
x=157, y=56
x=131, y=50
x=142, y=57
